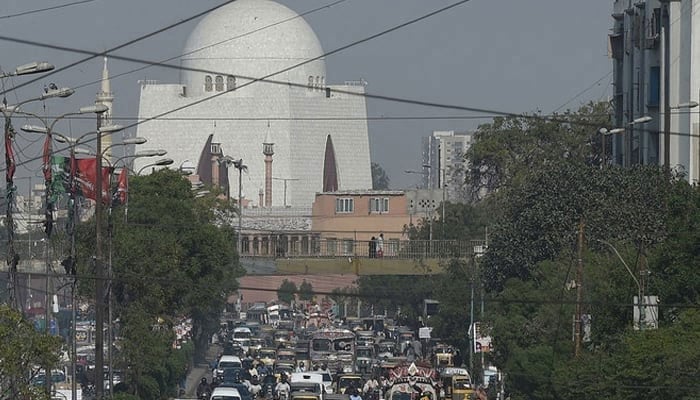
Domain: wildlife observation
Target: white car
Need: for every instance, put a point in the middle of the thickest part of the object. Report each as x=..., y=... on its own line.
x=225, y=393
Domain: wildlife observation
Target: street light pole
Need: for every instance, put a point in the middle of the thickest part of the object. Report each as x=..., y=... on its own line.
x=238, y=164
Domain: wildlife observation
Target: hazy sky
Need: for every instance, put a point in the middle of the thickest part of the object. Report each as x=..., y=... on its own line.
x=506, y=55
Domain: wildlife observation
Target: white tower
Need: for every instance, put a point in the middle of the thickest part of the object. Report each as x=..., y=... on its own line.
x=105, y=96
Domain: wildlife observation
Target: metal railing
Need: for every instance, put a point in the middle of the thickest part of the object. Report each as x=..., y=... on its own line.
x=391, y=249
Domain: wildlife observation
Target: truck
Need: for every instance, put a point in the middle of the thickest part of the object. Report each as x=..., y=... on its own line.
x=416, y=381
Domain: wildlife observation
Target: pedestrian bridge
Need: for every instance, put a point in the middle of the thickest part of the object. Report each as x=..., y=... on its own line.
x=333, y=256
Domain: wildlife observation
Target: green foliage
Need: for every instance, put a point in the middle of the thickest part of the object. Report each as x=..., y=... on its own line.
x=396, y=293
x=547, y=180
x=462, y=222
x=173, y=257
x=541, y=216
x=286, y=293
x=306, y=291
x=22, y=351
x=508, y=149
x=380, y=180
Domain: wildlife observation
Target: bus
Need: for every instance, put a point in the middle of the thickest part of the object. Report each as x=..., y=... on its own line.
x=334, y=347
x=279, y=313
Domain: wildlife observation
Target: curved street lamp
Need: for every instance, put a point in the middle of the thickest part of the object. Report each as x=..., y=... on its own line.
x=35, y=67
x=160, y=163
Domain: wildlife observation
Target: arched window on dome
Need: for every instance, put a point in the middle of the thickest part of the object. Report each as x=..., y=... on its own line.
x=219, y=83
x=230, y=82
x=207, y=83
x=318, y=82
x=311, y=82
x=323, y=82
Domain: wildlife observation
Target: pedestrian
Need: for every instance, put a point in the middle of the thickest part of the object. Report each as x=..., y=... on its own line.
x=373, y=247
x=380, y=245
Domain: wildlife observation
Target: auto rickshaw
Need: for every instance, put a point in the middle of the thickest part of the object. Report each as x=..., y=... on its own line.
x=347, y=381
x=462, y=388
x=456, y=383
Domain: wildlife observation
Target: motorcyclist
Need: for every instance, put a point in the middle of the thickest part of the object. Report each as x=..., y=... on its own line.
x=370, y=386
x=255, y=388
x=300, y=367
x=355, y=394
x=324, y=369
x=203, y=389
x=282, y=389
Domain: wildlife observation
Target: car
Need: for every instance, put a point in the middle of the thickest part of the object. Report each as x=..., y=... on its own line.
x=225, y=362
x=225, y=393
x=241, y=387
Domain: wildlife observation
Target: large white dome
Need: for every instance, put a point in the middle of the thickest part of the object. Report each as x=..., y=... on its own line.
x=251, y=38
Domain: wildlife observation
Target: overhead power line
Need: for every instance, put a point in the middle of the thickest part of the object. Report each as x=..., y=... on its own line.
x=20, y=14
x=115, y=48
x=158, y=63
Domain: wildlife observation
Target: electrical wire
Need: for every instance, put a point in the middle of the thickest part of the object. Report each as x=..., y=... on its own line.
x=45, y=9
x=134, y=277
x=159, y=63
x=118, y=47
x=581, y=93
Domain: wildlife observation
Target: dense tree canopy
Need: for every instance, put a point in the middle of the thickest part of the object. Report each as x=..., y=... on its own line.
x=22, y=351
x=547, y=180
x=508, y=149
x=172, y=258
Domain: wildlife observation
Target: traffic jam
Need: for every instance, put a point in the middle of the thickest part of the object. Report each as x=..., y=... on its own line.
x=275, y=353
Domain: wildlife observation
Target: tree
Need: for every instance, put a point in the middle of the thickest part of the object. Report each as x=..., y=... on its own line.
x=380, y=180
x=306, y=291
x=286, y=293
x=22, y=351
x=173, y=259
x=505, y=151
x=539, y=218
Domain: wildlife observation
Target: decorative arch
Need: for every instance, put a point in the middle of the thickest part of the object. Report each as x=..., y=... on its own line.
x=330, y=168
x=208, y=83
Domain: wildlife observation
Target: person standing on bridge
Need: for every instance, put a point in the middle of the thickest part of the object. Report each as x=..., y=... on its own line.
x=373, y=247
x=380, y=245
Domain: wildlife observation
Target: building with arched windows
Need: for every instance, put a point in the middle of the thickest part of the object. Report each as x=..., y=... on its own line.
x=254, y=77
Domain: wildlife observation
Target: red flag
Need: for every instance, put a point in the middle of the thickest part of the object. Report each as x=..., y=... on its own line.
x=87, y=179
x=9, y=158
x=47, y=159
x=123, y=186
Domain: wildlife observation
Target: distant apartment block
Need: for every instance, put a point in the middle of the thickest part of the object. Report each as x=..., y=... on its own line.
x=444, y=164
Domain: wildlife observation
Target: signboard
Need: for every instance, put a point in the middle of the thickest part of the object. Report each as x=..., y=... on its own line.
x=424, y=333
x=646, y=314
x=481, y=340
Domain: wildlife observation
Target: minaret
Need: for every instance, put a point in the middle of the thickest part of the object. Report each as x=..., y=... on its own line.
x=105, y=96
x=268, y=151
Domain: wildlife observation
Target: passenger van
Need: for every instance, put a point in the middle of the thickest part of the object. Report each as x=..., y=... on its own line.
x=308, y=382
x=242, y=336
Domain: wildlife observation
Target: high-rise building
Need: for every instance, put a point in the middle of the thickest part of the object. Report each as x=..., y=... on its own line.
x=444, y=163
x=257, y=69
x=655, y=48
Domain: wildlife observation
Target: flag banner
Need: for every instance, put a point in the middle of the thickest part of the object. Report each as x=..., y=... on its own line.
x=120, y=195
x=60, y=174
x=9, y=157
x=86, y=177
x=47, y=161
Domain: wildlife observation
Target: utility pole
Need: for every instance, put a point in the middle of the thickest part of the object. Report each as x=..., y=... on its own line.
x=99, y=273
x=642, y=297
x=579, y=289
